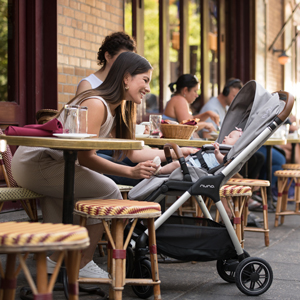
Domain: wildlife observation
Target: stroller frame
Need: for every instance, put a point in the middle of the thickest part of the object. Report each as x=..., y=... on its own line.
x=242, y=265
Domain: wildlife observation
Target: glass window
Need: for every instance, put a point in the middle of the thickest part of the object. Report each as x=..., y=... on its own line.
x=260, y=59
x=174, y=27
x=213, y=49
x=4, y=32
x=194, y=37
x=128, y=17
x=151, y=52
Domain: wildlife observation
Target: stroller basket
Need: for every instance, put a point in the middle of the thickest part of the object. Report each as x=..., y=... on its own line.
x=194, y=239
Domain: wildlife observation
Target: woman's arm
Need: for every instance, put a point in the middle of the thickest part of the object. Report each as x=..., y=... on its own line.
x=97, y=116
x=147, y=153
x=209, y=114
x=98, y=164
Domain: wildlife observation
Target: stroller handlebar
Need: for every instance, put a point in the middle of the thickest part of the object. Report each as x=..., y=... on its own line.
x=289, y=102
x=176, y=149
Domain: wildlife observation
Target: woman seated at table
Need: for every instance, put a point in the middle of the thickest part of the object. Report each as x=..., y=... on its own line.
x=111, y=107
x=178, y=107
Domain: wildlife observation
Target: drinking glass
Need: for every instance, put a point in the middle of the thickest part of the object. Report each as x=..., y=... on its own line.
x=71, y=119
x=83, y=119
x=155, y=121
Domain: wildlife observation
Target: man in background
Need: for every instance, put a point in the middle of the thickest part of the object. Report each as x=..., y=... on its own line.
x=220, y=103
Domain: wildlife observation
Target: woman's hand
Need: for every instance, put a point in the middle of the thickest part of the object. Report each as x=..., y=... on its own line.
x=214, y=116
x=143, y=170
x=205, y=125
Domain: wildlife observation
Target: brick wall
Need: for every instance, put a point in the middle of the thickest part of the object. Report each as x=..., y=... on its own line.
x=275, y=17
x=82, y=25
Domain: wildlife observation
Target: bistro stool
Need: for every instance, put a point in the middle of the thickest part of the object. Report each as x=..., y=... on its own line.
x=124, y=189
x=284, y=181
x=291, y=167
x=116, y=211
x=237, y=197
x=17, y=238
x=262, y=184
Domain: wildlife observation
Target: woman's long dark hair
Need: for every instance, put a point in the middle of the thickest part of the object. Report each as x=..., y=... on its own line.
x=112, y=90
x=185, y=80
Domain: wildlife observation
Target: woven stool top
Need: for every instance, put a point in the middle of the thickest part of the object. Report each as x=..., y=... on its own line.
x=291, y=166
x=235, y=190
x=248, y=181
x=25, y=236
x=287, y=173
x=17, y=193
x=115, y=208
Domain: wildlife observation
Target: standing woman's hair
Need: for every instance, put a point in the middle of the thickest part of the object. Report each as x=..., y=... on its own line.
x=185, y=80
x=113, y=43
x=112, y=90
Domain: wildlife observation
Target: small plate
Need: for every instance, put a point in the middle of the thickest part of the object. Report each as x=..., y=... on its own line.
x=142, y=135
x=74, y=135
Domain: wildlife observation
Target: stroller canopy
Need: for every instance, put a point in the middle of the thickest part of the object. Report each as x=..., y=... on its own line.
x=252, y=110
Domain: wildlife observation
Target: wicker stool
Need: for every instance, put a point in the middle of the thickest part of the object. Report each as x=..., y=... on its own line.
x=284, y=181
x=124, y=189
x=291, y=167
x=23, y=237
x=262, y=184
x=237, y=197
x=117, y=211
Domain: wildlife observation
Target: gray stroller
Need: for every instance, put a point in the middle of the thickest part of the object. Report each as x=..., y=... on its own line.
x=259, y=114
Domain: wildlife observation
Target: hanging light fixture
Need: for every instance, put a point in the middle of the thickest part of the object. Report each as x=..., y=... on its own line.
x=283, y=58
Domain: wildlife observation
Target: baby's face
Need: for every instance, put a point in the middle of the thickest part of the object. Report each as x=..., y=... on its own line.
x=231, y=138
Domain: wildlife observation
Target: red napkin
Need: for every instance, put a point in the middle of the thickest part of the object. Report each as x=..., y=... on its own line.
x=191, y=122
x=47, y=129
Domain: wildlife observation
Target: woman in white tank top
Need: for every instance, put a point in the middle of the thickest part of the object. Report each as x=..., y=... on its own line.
x=111, y=107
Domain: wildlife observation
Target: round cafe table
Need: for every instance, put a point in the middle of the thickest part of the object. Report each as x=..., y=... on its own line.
x=70, y=148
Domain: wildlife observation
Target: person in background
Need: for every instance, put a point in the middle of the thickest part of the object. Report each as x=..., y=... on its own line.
x=178, y=107
x=220, y=103
x=111, y=47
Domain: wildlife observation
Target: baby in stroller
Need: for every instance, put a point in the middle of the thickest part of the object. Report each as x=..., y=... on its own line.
x=207, y=160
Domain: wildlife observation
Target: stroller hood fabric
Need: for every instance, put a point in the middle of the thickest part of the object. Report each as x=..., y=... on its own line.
x=252, y=110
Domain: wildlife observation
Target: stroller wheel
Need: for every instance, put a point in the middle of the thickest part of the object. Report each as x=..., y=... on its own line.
x=253, y=276
x=143, y=271
x=226, y=268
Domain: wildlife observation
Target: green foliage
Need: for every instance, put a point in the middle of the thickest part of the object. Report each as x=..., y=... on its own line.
x=3, y=49
x=151, y=31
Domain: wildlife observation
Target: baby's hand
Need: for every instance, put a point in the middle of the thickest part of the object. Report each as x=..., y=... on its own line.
x=217, y=148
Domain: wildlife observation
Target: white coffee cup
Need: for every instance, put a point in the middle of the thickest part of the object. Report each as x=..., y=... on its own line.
x=139, y=129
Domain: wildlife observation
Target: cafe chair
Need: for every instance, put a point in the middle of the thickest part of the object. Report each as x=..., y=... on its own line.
x=13, y=192
x=262, y=184
x=284, y=182
x=18, y=239
x=117, y=211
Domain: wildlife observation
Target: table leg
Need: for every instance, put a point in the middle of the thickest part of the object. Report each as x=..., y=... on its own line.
x=293, y=153
x=70, y=157
x=269, y=178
